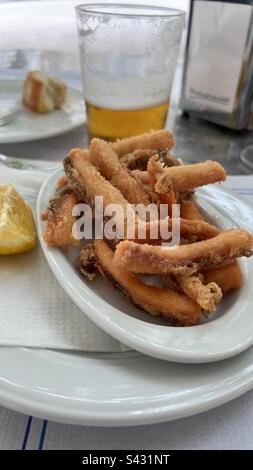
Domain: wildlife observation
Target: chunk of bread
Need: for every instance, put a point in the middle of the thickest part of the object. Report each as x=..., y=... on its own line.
x=43, y=93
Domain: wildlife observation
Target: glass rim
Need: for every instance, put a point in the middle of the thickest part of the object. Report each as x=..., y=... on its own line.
x=100, y=9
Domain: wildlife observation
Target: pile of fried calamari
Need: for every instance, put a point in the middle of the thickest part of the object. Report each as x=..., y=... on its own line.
x=195, y=275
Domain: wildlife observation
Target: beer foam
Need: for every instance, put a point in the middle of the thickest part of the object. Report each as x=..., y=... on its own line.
x=131, y=69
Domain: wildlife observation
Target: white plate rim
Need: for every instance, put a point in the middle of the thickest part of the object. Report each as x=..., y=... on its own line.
x=49, y=407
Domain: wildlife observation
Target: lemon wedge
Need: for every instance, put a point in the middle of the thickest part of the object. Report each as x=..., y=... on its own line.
x=17, y=228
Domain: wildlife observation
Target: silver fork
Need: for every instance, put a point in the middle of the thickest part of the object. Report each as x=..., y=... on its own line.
x=9, y=117
x=21, y=165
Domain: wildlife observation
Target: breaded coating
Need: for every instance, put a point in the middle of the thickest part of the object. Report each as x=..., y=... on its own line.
x=185, y=177
x=141, y=175
x=177, y=309
x=142, y=179
x=88, y=183
x=166, y=159
x=161, y=139
x=103, y=157
x=59, y=220
x=138, y=160
x=161, y=182
x=227, y=277
x=189, y=210
x=170, y=282
x=207, y=296
x=152, y=232
x=186, y=259
x=62, y=182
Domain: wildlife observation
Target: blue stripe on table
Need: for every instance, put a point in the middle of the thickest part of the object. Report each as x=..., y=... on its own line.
x=43, y=434
x=27, y=432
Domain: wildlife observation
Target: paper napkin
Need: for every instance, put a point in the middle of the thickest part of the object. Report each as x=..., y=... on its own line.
x=34, y=309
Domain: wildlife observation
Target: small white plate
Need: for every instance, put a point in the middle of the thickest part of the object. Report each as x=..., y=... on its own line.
x=228, y=331
x=28, y=126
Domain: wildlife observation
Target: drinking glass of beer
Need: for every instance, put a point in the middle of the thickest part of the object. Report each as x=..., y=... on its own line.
x=128, y=55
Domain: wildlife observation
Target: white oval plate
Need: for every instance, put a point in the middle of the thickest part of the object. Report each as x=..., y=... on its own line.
x=28, y=126
x=228, y=331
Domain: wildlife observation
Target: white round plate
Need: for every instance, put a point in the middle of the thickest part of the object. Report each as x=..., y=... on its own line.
x=28, y=126
x=227, y=332
x=119, y=389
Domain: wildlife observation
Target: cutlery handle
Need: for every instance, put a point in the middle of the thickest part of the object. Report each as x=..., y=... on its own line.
x=21, y=165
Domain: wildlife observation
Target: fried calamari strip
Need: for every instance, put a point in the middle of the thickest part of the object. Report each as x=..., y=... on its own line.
x=189, y=210
x=138, y=160
x=167, y=159
x=178, y=309
x=62, y=182
x=152, y=232
x=141, y=175
x=227, y=277
x=59, y=220
x=142, y=178
x=161, y=139
x=88, y=183
x=170, y=282
x=105, y=159
x=207, y=296
x=185, y=177
x=186, y=259
x=161, y=182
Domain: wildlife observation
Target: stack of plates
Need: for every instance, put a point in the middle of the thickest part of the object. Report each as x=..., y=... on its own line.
x=172, y=372
x=202, y=366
